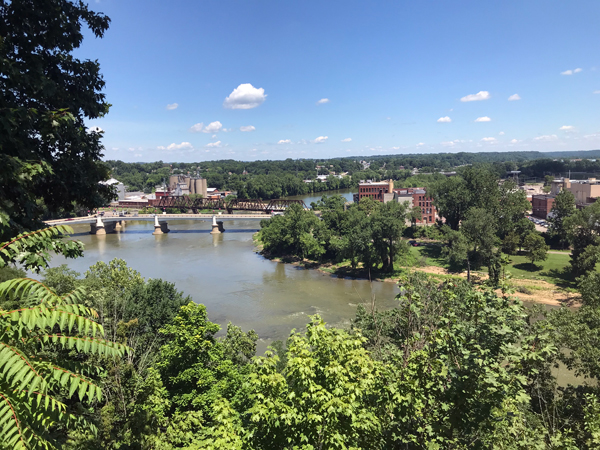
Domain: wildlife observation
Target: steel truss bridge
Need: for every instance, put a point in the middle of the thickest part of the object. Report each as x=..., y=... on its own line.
x=197, y=204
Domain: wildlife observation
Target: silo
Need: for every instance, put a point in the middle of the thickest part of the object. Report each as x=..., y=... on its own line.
x=204, y=191
x=188, y=181
x=173, y=182
x=198, y=186
x=192, y=186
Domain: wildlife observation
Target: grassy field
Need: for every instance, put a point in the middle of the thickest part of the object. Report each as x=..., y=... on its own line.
x=553, y=270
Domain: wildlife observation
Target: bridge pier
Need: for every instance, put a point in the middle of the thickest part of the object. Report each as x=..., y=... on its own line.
x=160, y=227
x=217, y=227
x=100, y=228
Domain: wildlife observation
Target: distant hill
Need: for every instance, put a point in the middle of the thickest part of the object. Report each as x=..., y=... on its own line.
x=587, y=154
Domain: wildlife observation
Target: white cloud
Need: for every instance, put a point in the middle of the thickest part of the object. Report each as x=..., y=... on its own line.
x=481, y=95
x=546, y=137
x=483, y=119
x=501, y=133
x=214, y=136
x=95, y=130
x=115, y=148
x=448, y=143
x=596, y=92
x=491, y=140
x=571, y=72
x=183, y=145
x=247, y=128
x=320, y=140
x=172, y=106
x=197, y=128
x=346, y=140
x=420, y=144
x=245, y=96
x=567, y=128
x=514, y=141
x=285, y=141
x=213, y=144
x=322, y=101
x=514, y=97
x=444, y=119
x=213, y=127
x=579, y=69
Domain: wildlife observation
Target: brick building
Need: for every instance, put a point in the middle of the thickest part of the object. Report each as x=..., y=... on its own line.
x=418, y=197
x=376, y=190
x=384, y=191
x=541, y=205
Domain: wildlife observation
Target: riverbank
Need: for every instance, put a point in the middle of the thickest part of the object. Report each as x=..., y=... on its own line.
x=528, y=288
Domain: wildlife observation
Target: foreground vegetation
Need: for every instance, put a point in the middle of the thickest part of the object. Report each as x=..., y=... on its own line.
x=451, y=366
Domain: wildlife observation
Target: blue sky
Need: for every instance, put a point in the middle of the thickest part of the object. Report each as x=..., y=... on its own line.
x=186, y=77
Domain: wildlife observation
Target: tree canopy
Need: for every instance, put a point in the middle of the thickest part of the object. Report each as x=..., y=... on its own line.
x=49, y=161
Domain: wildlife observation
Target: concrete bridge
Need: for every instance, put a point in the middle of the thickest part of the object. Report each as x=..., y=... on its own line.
x=102, y=225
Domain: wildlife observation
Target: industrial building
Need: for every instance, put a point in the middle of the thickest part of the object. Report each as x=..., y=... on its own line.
x=585, y=192
x=185, y=185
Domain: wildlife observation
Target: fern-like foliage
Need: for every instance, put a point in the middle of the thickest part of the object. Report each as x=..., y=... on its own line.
x=32, y=250
x=31, y=379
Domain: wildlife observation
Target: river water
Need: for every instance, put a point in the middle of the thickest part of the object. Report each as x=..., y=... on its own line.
x=235, y=283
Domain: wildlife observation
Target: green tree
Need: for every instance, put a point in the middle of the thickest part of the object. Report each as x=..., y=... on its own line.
x=298, y=232
x=512, y=207
x=356, y=241
x=33, y=377
x=536, y=247
x=584, y=234
x=388, y=224
x=471, y=352
x=522, y=229
x=49, y=161
x=457, y=252
x=510, y=243
x=61, y=279
x=563, y=208
x=480, y=228
x=476, y=187
x=327, y=395
x=451, y=198
x=192, y=363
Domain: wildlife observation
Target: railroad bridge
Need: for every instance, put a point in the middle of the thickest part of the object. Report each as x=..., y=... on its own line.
x=198, y=204
x=102, y=225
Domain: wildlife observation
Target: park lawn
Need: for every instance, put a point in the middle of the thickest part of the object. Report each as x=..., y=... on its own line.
x=426, y=255
x=553, y=270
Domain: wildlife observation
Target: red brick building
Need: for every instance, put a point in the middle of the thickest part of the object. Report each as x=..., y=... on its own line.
x=375, y=190
x=541, y=205
x=384, y=192
x=418, y=197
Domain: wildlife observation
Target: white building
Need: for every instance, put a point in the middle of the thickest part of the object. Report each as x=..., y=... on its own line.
x=120, y=187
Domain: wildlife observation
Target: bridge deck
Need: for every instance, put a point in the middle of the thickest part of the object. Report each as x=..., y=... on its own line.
x=161, y=217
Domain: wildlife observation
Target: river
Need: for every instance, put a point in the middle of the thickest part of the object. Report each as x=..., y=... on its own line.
x=226, y=274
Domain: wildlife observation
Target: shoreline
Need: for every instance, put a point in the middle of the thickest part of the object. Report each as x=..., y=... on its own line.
x=537, y=291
